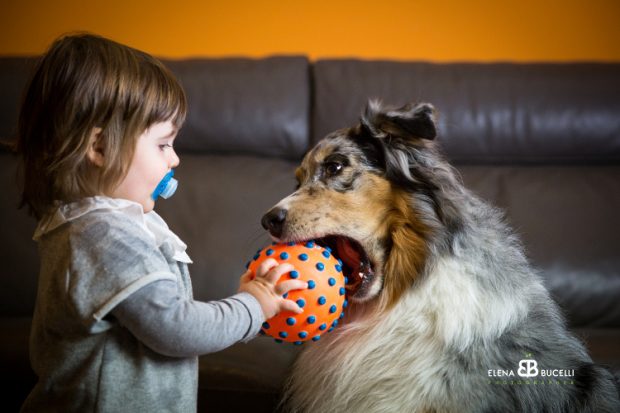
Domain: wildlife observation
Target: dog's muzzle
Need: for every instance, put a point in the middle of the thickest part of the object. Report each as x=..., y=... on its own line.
x=356, y=264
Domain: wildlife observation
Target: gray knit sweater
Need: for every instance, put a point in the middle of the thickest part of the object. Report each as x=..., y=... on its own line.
x=115, y=327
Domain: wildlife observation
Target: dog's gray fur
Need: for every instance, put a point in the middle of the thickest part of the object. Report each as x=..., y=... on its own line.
x=476, y=305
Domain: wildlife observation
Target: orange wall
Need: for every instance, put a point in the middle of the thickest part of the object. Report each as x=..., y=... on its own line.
x=436, y=30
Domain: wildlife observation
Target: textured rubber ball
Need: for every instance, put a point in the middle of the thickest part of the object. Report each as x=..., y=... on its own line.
x=323, y=300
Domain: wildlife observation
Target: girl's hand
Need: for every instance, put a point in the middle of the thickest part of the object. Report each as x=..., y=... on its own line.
x=269, y=294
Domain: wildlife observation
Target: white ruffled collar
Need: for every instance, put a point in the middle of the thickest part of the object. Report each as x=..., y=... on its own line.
x=151, y=221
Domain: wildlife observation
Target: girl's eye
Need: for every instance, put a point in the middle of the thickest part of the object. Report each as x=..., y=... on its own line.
x=333, y=168
x=164, y=146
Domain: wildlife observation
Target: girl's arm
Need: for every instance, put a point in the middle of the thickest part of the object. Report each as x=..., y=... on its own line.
x=171, y=325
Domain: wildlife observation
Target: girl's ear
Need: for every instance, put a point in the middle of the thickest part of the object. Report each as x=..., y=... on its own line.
x=95, y=149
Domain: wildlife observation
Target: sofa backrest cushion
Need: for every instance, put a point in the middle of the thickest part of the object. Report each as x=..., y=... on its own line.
x=236, y=105
x=217, y=212
x=567, y=217
x=516, y=113
x=253, y=107
x=540, y=141
x=245, y=106
x=14, y=74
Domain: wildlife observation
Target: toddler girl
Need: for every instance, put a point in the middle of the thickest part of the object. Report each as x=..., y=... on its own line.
x=115, y=327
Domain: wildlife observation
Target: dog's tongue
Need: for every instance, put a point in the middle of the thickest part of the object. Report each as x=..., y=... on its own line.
x=352, y=258
x=347, y=253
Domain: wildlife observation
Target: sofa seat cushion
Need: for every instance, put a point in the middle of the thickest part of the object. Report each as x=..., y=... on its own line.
x=568, y=219
x=260, y=365
x=217, y=210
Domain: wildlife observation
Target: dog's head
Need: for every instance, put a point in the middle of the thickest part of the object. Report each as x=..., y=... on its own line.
x=369, y=193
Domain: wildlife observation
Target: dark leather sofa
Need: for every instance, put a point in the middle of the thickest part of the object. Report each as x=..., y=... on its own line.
x=541, y=141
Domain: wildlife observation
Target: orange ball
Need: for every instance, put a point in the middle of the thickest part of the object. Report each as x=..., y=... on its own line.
x=323, y=301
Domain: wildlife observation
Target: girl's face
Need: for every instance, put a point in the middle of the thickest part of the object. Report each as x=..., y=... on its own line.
x=153, y=158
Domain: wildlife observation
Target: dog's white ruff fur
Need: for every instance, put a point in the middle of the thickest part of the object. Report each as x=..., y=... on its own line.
x=396, y=362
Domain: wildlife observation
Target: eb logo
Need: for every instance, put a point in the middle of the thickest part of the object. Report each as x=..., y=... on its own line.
x=528, y=368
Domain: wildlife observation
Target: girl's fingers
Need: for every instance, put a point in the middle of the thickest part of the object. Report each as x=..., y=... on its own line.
x=289, y=305
x=265, y=267
x=247, y=276
x=275, y=273
x=286, y=286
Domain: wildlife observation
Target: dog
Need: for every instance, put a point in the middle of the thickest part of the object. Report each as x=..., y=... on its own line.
x=446, y=313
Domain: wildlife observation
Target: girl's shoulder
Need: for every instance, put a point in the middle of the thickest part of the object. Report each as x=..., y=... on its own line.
x=96, y=217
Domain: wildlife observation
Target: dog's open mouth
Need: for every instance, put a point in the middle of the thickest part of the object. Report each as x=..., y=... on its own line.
x=356, y=265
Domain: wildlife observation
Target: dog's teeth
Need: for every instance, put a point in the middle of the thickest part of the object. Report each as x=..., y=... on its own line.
x=356, y=261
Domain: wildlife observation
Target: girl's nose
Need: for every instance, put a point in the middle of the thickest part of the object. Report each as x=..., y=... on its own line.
x=174, y=161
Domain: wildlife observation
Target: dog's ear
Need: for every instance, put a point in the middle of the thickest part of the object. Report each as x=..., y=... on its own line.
x=414, y=120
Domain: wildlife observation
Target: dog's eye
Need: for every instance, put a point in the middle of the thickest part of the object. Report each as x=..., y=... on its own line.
x=333, y=168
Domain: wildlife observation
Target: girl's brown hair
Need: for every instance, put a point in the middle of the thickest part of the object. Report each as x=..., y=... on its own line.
x=85, y=82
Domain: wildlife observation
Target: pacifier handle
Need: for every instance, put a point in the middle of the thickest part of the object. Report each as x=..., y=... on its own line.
x=166, y=187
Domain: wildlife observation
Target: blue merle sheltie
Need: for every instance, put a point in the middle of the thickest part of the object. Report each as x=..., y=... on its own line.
x=446, y=314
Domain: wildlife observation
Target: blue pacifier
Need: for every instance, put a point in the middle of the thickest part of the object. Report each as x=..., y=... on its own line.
x=166, y=187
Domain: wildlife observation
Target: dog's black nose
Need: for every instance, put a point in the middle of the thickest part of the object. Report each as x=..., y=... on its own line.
x=273, y=221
